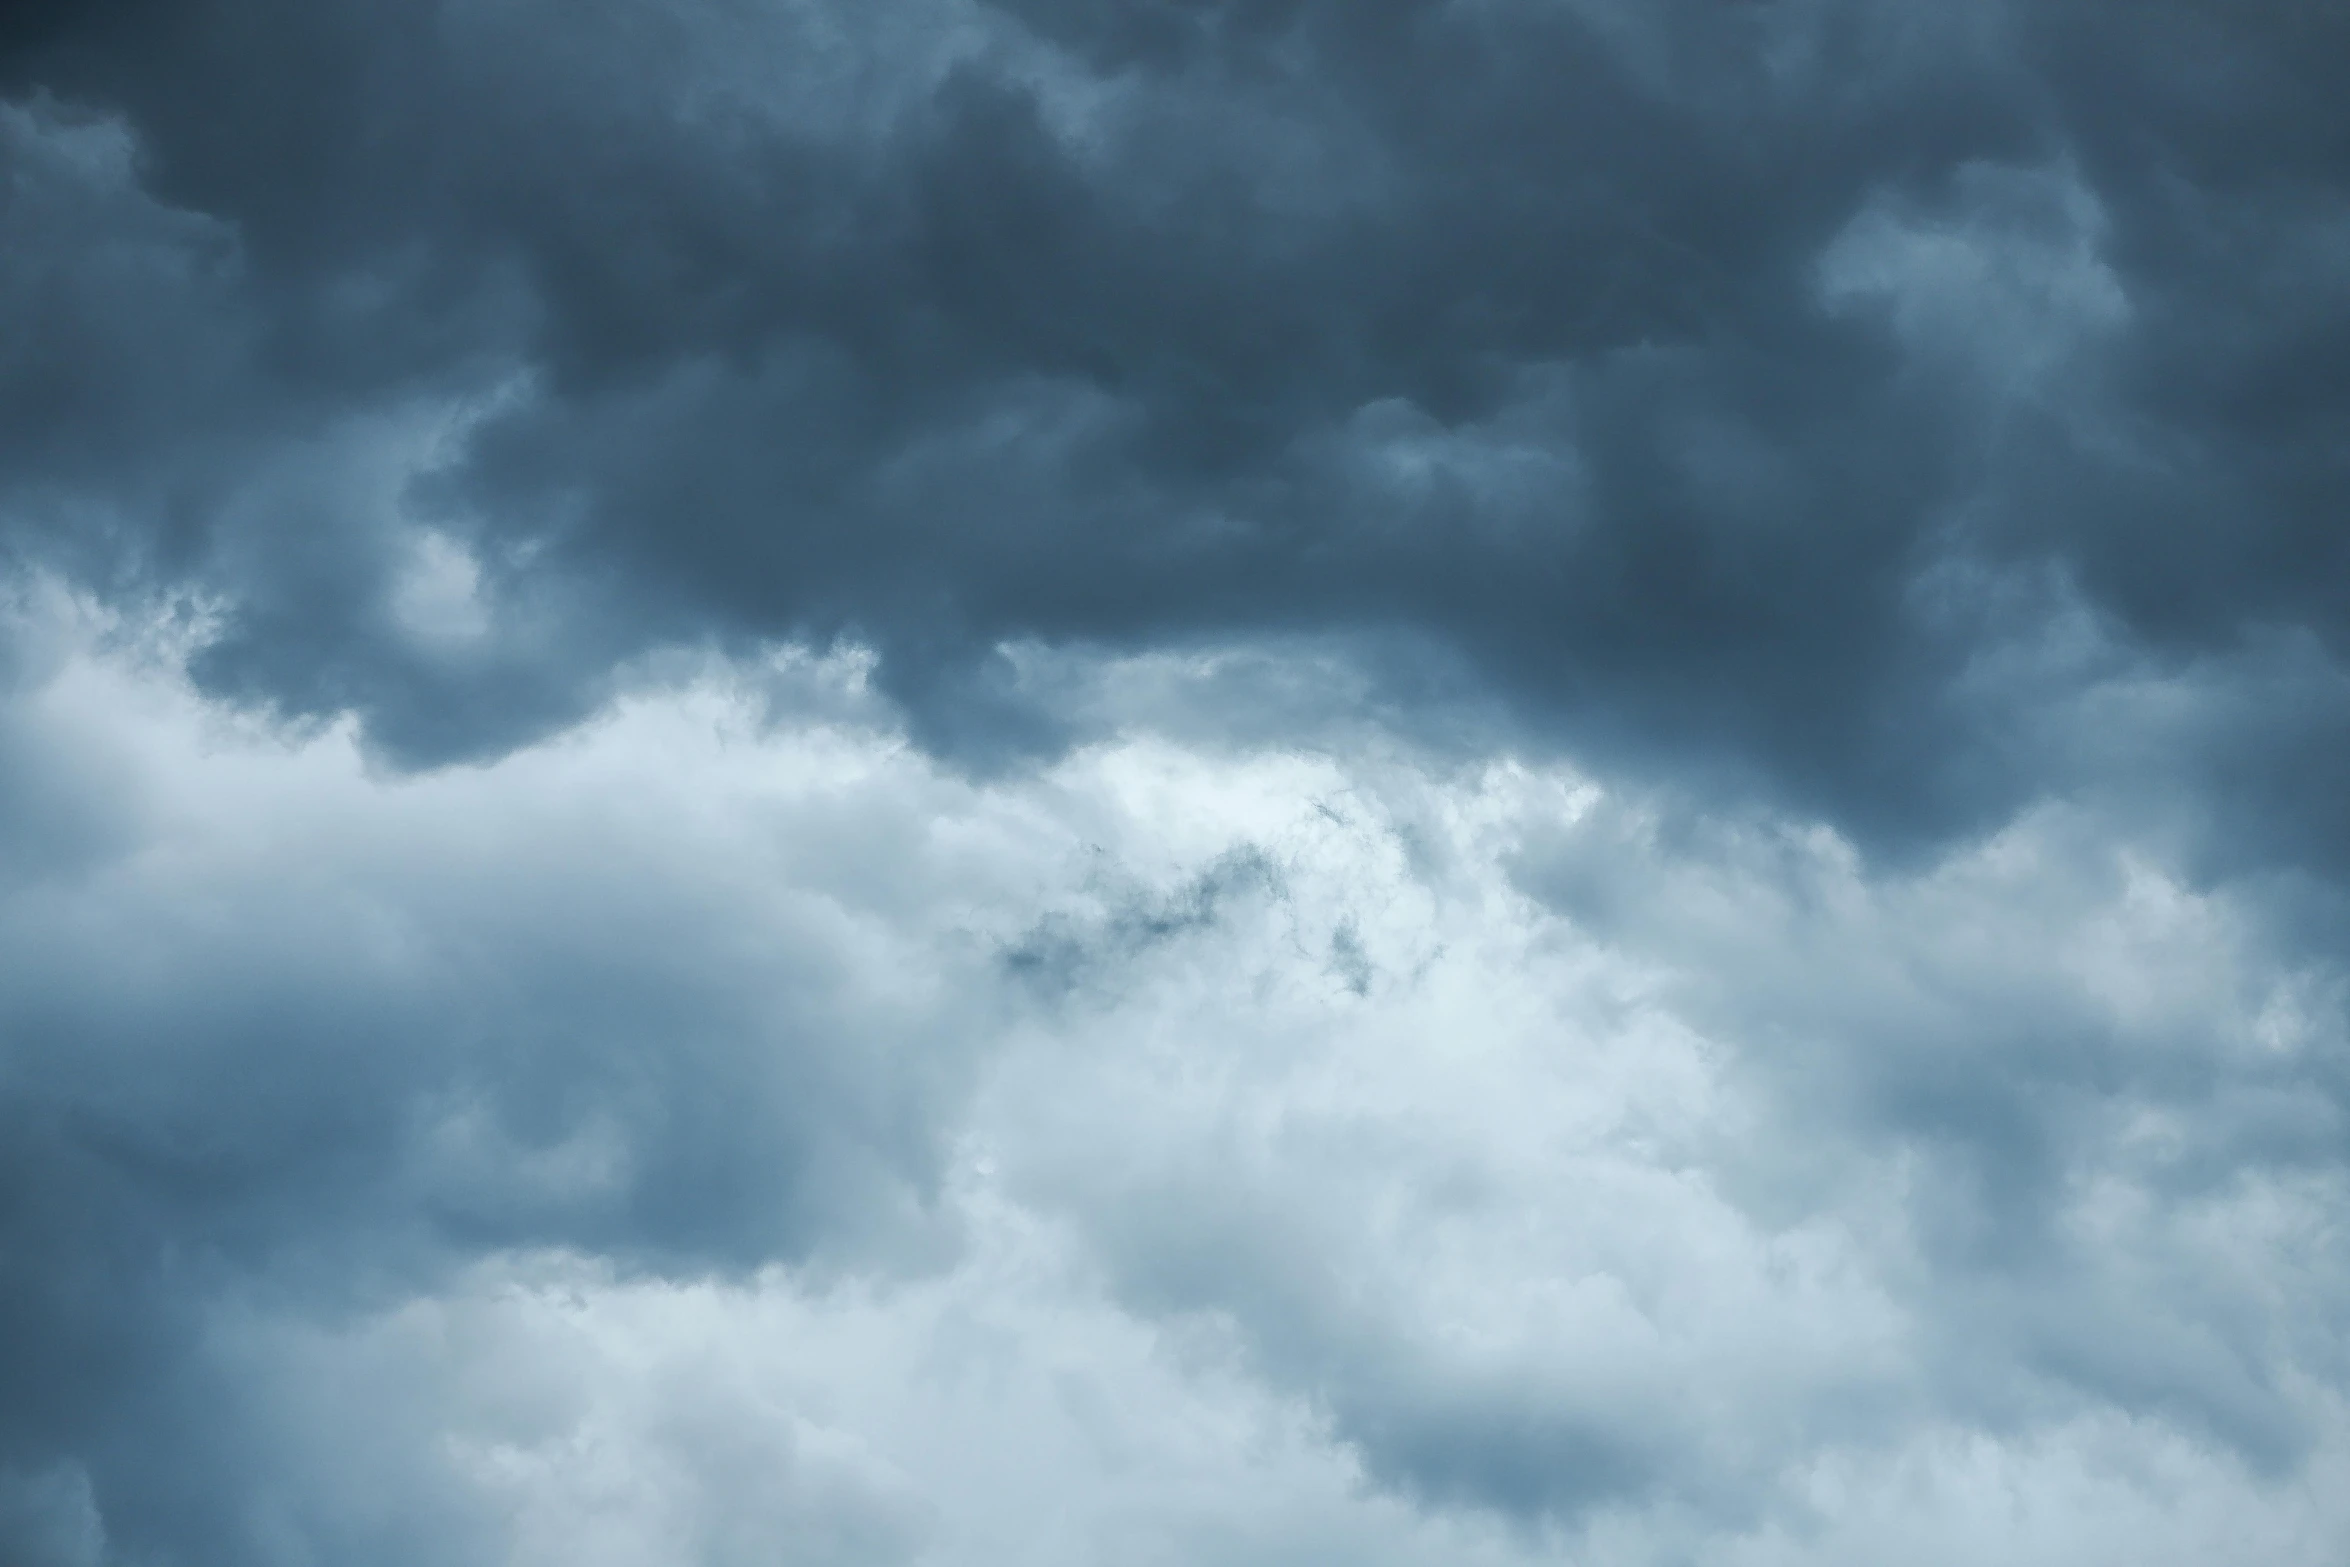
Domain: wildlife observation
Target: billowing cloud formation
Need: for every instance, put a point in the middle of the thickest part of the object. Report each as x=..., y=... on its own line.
x=1725, y=380
x=708, y=1136
x=1399, y=781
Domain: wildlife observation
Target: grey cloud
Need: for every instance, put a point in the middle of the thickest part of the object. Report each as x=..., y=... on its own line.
x=1062, y=954
x=1502, y=324
x=1896, y=447
x=323, y=1055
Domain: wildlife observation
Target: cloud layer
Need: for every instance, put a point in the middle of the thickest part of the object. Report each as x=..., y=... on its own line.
x=931, y=781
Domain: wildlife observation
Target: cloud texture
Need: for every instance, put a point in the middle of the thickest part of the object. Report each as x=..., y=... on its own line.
x=1254, y=780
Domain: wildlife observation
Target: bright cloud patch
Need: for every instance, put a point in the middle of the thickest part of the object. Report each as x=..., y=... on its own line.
x=723, y=1132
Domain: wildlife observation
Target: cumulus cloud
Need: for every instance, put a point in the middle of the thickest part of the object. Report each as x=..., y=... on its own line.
x=668, y=1135
x=1264, y=780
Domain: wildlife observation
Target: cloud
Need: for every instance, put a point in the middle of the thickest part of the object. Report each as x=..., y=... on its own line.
x=1752, y=1155
x=981, y=780
x=285, y=1025
x=1645, y=359
x=1502, y=1144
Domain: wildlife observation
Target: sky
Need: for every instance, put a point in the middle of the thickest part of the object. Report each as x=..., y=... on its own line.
x=1147, y=783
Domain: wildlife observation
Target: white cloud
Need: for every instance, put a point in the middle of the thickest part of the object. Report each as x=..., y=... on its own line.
x=1171, y=1155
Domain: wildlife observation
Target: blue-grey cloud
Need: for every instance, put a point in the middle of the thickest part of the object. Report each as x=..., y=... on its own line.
x=1651, y=359
x=1594, y=750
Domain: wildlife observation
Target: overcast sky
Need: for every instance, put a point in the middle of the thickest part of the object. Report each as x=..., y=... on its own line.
x=1174, y=783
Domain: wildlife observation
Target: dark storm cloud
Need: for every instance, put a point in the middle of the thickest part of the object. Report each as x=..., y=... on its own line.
x=936, y=325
